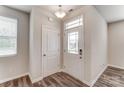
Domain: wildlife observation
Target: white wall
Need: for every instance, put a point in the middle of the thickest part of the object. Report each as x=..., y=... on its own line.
x=96, y=28
x=99, y=39
x=116, y=44
x=38, y=18
x=13, y=66
x=95, y=42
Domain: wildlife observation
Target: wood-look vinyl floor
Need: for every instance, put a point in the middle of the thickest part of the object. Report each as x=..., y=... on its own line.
x=112, y=77
x=59, y=79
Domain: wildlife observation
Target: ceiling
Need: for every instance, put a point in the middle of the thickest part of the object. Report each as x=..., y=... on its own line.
x=65, y=8
x=25, y=8
x=51, y=8
x=111, y=13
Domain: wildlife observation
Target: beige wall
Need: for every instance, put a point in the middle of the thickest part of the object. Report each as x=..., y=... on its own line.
x=14, y=66
x=116, y=44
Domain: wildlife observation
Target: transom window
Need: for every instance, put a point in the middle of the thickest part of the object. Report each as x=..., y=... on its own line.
x=78, y=21
x=8, y=36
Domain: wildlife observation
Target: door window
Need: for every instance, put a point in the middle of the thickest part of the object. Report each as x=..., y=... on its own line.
x=73, y=42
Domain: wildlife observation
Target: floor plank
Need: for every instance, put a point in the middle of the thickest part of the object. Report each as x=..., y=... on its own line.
x=59, y=79
x=112, y=77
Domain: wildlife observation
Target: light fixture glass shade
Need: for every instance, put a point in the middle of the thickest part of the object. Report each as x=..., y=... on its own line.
x=60, y=14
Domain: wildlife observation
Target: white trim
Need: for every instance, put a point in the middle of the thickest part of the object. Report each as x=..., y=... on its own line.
x=12, y=78
x=86, y=82
x=97, y=77
x=35, y=80
x=61, y=70
x=30, y=77
x=116, y=66
x=8, y=55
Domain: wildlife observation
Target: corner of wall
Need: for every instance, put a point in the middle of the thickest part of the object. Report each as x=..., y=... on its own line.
x=92, y=82
x=34, y=80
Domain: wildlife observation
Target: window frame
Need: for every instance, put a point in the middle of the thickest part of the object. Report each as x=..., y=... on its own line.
x=17, y=21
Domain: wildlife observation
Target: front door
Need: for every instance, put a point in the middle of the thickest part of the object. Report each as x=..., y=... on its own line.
x=74, y=52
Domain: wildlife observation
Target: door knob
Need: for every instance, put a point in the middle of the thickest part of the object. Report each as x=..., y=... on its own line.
x=44, y=54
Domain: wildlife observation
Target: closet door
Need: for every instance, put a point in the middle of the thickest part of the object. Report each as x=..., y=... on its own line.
x=50, y=50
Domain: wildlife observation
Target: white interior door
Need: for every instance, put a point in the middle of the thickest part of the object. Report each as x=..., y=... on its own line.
x=74, y=52
x=50, y=51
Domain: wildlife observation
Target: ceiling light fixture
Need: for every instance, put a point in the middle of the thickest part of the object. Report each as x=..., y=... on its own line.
x=60, y=13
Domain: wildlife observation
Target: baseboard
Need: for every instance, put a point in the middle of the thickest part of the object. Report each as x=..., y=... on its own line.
x=101, y=72
x=87, y=83
x=34, y=80
x=12, y=78
x=116, y=66
x=61, y=70
x=30, y=77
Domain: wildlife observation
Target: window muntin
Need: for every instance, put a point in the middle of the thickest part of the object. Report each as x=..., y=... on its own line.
x=8, y=36
x=73, y=42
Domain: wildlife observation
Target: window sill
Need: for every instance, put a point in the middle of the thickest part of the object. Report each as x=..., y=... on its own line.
x=8, y=55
